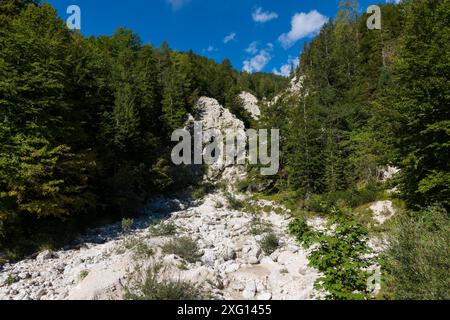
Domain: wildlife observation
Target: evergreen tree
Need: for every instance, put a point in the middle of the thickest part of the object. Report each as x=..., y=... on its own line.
x=421, y=98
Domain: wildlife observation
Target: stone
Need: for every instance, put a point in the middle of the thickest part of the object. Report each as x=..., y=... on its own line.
x=293, y=248
x=250, y=290
x=24, y=275
x=40, y=294
x=209, y=257
x=45, y=255
x=231, y=268
x=238, y=286
x=250, y=104
x=274, y=256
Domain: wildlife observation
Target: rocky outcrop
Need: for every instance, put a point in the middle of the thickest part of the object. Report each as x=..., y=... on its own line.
x=215, y=117
x=295, y=89
x=250, y=104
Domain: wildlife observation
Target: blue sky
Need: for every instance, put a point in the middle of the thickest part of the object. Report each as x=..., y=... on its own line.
x=256, y=35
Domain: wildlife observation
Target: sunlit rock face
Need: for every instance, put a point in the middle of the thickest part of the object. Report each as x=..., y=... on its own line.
x=250, y=104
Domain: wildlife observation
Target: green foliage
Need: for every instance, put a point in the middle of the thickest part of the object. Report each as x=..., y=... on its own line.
x=421, y=97
x=150, y=284
x=302, y=232
x=83, y=274
x=85, y=122
x=127, y=225
x=351, y=198
x=340, y=254
x=201, y=191
x=337, y=132
x=417, y=261
x=184, y=247
x=142, y=250
x=233, y=202
x=269, y=243
x=260, y=227
x=164, y=229
x=10, y=280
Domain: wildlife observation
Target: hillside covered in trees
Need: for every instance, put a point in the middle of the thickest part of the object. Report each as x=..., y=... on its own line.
x=86, y=124
x=373, y=99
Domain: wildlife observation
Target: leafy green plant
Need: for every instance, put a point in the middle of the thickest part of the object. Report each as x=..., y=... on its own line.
x=340, y=254
x=269, y=243
x=127, y=224
x=184, y=247
x=303, y=233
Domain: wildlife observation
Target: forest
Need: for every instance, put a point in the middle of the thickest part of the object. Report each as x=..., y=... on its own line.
x=86, y=122
x=85, y=125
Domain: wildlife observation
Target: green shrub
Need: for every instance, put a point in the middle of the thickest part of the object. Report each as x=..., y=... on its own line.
x=201, y=191
x=84, y=274
x=417, y=261
x=150, y=285
x=303, y=233
x=127, y=224
x=259, y=227
x=340, y=255
x=353, y=198
x=184, y=247
x=218, y=205
x=269, y=243
x=164, y=229
x=142, y=250
x=234, y=203
x=10, y=280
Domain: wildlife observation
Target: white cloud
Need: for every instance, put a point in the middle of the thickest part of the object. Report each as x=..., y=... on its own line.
x=287, y=68
x=229, y=37
x=253, y=47
x=177, y=4
x=212, y=49
x=259, y=60
x=302, y=25
x=263, y=16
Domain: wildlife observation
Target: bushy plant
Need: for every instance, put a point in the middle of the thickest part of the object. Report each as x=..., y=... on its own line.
x=303, y=233
x=352, y=198
x=340, y=255
x=259, y=227
x=234, y=203
x=84, y=274
x=184, y=247
x=150, y=284
x=269, y=243
x=164, y=230
x=127, y=224
x=417, y=261
x=201, y=191
x=10, y=280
